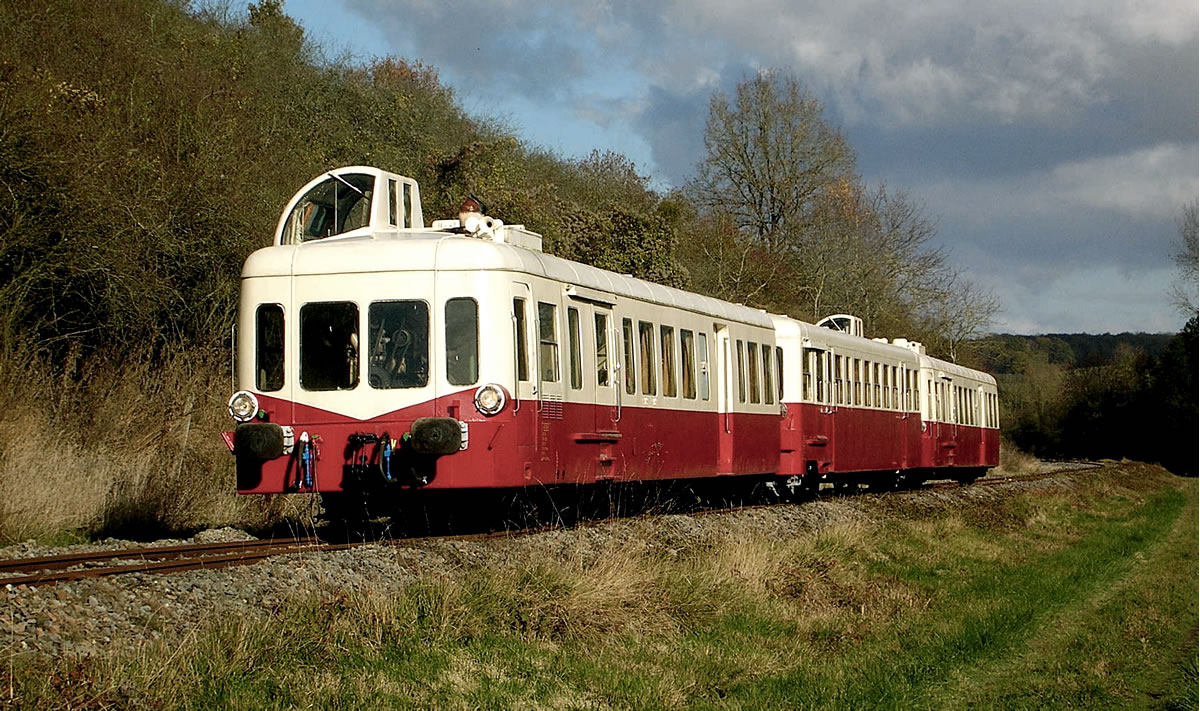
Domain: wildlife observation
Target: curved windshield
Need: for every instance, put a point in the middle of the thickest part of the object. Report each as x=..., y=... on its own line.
x=338, y=204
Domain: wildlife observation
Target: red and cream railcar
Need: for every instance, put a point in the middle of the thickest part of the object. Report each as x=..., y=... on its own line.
x=859, y=405
x=373, y=350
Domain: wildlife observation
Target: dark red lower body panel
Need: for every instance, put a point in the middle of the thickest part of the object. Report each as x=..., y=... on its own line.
x=565, y=443
x=559, y=443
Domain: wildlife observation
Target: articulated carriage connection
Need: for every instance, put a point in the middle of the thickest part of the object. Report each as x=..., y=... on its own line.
x=375, y=352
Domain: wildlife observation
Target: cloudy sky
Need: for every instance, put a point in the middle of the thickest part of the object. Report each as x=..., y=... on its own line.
x=1054, y=142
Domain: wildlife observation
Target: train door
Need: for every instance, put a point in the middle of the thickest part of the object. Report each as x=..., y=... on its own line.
x=549, y=371
x=900, y=382
x=725, y=385
x=605, y=376
x=817, y=417
x=525, y=389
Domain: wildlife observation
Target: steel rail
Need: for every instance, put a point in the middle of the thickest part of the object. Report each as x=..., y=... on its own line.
x=59, y=562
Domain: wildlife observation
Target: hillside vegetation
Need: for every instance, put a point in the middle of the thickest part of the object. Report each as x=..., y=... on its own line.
x=1081, y=396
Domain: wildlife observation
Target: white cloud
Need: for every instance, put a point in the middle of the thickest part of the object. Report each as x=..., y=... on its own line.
x=1149, y=182
x=941, y=60
x=1097, y=300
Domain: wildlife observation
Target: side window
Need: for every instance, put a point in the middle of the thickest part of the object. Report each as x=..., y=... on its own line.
x=812, y=375
x=573, y=338
x=779, y=370
x=839, y=383
x=392, y=205
x=602, y=350
x=868, y=393
x=630, y=363
x=398, y=344
x=687, y=350
x=462, y=341
x=875, y=382
x=646, y=350
x=768, y=384
x=752, y=358
x=887, y=393
x=268, y=348
x=522, y=355
x=741, y=358
x=666, y=337
x=703, y=343
x=856, y=374
x=329, y=346
x=548, y=341
x=408, y=205
x=822, y=370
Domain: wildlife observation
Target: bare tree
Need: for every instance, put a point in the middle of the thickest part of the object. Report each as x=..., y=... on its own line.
x=783, y=222
x=769, y=154
x=1184, y=254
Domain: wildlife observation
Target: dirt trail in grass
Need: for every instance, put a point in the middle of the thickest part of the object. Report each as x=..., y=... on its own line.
x=1124, y=628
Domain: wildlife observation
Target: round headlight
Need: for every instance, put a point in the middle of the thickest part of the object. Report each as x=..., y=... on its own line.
x=489, y=399
x=243, y=406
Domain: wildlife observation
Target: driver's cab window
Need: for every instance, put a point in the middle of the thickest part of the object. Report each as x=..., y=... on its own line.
x=337, y=205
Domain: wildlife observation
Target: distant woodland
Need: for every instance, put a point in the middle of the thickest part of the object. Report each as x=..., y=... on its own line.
x=148, y=146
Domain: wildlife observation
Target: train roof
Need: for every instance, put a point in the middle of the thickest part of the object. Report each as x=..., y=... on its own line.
x=899, y=350
x=418, y=250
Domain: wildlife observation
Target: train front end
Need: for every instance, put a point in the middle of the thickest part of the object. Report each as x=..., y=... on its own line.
x=358, y=360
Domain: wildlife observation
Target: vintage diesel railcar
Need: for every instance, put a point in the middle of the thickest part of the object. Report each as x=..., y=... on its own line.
x=377, y=354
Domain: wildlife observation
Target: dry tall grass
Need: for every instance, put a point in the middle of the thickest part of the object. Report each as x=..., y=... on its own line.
x=131, y=450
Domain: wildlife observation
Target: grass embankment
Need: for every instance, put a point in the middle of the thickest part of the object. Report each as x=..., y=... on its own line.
x=1079, y=595
x=128, y=451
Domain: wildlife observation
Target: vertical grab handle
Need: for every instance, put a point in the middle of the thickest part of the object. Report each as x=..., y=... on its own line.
x=618, y=383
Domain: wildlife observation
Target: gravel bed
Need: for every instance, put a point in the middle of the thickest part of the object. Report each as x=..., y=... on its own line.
x=99, y=616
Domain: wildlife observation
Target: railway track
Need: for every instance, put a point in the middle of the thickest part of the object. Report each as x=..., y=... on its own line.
x=49, y=570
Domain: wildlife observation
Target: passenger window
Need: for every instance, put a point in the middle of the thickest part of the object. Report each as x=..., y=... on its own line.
x=398, y=344
x=329, y=346
x=768, y=385
x=573, y=337
x=602, y=350
x=522, y=355
x=875, y=382
x=703, y=343
x=687, y=350
x=268, y=348
x=837, y=379
x=779, y=370
x=812, y=378
x=752, y=358
x=392, y=204
x=548, y=341
x=741, y=373
x=408, y=205
x=462, y=341
x=646, y=343
x=630, y=364
x=856, y=374
x=666, y=336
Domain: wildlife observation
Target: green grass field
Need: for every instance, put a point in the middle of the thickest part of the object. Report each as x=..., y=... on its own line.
x=1079, y=596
